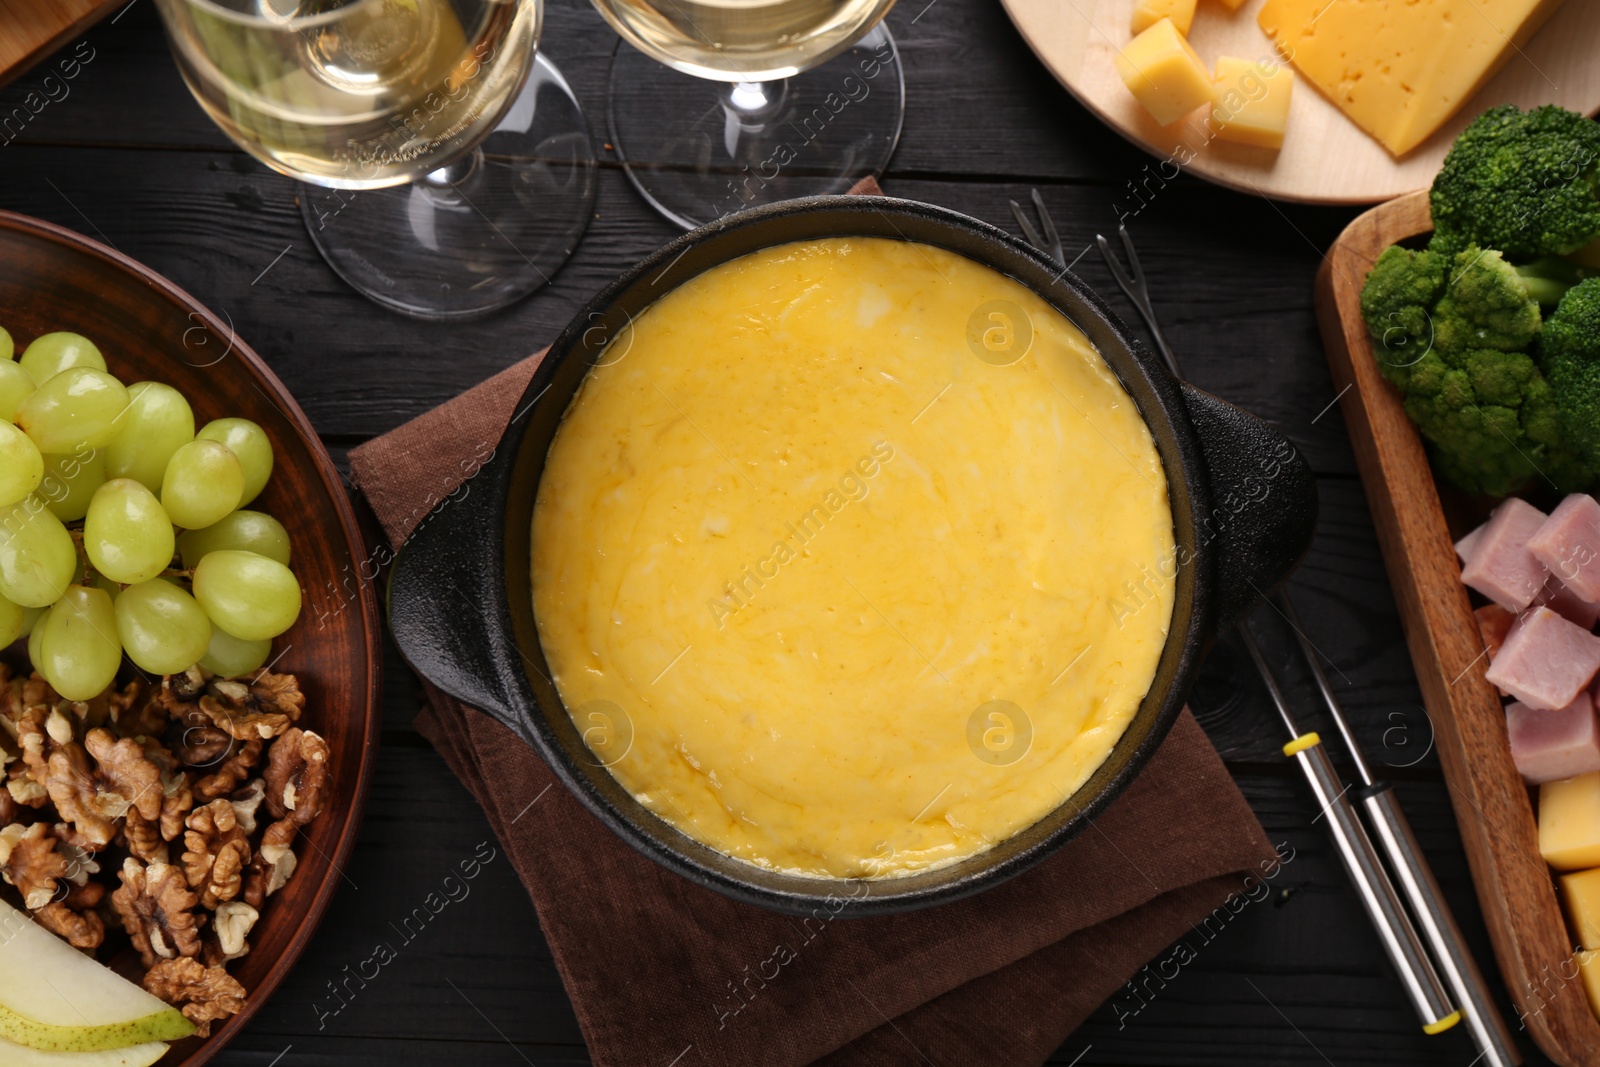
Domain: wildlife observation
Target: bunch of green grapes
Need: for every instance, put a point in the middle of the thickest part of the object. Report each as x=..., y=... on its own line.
x=122, y=529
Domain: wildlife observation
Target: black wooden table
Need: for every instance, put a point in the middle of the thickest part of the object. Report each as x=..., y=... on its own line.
x=127, y=157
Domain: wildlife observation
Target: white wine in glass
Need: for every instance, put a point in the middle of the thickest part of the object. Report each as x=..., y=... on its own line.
x=364, y=95
x=764, y=99
x=743, y=40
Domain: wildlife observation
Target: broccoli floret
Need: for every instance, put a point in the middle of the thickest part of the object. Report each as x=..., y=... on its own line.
x=1454, y=335
x=1397, y=303
x=1520, y=182
x=1569, y=352
x=1485, y=304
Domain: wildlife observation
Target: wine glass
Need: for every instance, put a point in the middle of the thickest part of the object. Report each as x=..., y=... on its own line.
x=449, y=169
x=764, y=100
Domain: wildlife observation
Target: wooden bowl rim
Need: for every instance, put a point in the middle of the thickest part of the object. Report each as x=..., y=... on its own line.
x=371, y=626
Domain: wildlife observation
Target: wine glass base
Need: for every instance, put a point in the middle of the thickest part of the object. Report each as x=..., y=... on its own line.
x=698, y=150
x=480, y=233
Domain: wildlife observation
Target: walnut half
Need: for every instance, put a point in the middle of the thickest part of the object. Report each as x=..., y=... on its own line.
x=297, y=776
x=29, y=860
x=204, y=994
x=157, y=910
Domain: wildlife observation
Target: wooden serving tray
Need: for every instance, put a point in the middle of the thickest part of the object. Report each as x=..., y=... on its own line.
x=1492, y=805
x=1326, y=158
x=32, y=29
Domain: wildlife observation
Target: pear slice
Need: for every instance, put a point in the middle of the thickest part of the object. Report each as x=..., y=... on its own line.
x=14, y=1055
x=54, y=998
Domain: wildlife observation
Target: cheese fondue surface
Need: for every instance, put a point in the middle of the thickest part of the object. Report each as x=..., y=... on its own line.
x=852, y=558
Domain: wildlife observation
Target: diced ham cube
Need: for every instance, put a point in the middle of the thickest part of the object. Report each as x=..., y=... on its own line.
x=1569, y=544
x=1560, y=598
x=1465, y=546
x=1494, y=623
x=1546, y=660
x=1501, y=567
x=1546, y=745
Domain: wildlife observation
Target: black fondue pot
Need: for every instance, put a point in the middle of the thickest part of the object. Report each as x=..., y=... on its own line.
x=1244, y=507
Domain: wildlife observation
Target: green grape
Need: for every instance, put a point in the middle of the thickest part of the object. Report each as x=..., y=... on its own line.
x=161, y=627
x=252, y=531
x=79, y=652
x=37, y=557
x=30, y=619
x=33, y=640
x=157, y=423
x=229, y=657
x=52, y=353
x=15, y=387
x=250, y=596
x=21, y=466
x=249, y=443
x=78, y=408
x=70, y=483
x=13, y=617
x=8, y=347
x=203, y=483
x=127, y=533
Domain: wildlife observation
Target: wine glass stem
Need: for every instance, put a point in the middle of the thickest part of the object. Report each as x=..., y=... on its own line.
x=753, y=104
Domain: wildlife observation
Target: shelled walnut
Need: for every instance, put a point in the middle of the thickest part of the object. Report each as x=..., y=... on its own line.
x=170, y=810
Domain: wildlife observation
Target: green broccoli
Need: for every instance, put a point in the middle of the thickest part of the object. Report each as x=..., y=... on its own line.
x=1454, y=335
x=1569, y=352
x=1520, y=182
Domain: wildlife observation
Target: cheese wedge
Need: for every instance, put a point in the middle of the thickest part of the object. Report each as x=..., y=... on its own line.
x=1400, y=70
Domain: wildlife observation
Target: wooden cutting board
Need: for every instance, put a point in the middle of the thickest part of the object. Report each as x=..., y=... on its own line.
x=32, y=29
x=1326, y=158
x=1492, y=805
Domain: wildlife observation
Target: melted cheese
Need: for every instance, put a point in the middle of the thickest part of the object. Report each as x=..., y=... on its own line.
x=852, y=558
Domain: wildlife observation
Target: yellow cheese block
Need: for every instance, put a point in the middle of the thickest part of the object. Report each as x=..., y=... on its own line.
x=1252, y=101
x=1400, y=69
x=1147, y=13
x=1164, y=73
x=1589, y=967
x=1231, y=5
x=1569, y=822
x=1581, y=891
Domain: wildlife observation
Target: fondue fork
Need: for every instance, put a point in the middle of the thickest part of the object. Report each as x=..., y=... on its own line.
x=1378, y=799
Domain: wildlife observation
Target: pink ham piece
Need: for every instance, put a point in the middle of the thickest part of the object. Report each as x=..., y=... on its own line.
x=1569, y=544
x=1559, y=598
x=1501, y=567
x=1546, y=745
x=1545, y=660
x=1465, y=546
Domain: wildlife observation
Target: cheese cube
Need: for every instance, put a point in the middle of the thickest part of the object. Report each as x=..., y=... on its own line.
x=1581, y=892
x=1164, y=74
x=1147, y=13
x=1399, y=70
x=1252, y=102
x=1232, y=5
x=1569, y=822
x=1589, y=966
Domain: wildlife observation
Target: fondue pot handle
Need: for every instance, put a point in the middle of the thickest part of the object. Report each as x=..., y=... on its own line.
x=1262, y=512
x=447, y=598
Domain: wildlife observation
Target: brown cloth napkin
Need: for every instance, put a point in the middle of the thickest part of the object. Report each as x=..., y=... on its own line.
x=662, y=972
